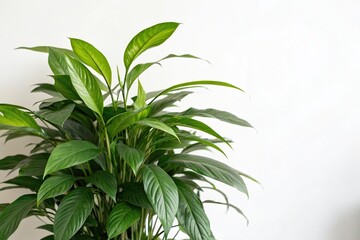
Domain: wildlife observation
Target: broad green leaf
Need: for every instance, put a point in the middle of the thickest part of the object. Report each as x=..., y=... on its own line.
x=47, y=227
x=25, y=182
x=121, y=217
x=148, y=38
x=64, y=86
x=182, y=56
x=157, y=124
x=208, y=167
x=191, y=214
x=141, y=97
x=132, y=156
x=136, y=72
x=12, y=215
x=168, y=101
x=57, y=62
x=46, y=88
x=105, y=181
x=57, y=116
x=194, y=84
x=133, y=193
x=92, y=57
x=46, y=49
x=33, y=165
x=11, y=162
x=69, y=154
x=72, y=213
x=228, y=205
x=195, y=124
x=55, y=186
x=218, y=114
x=162, y=194
x=85, y=85
x=13, y=117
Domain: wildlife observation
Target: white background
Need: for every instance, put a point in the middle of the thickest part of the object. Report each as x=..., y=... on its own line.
x=298, y=61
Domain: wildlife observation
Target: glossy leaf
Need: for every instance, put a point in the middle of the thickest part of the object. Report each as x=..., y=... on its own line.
x=208, y=167
x=157, y=124
x=134, y=193
x=13, y=117
x=105, y=181
x=57, y=61
x=64, y=86
x=57, y=116
x=191, y=214
x=136, y=72
x=55, y=186
x=132, y=156
x=11, y=162
x=12, y=215
x=70, y=154
x=121, y=217
x=33, y=165
x=167, y=101
x=162, y=194
x=141, y=97
x=85, y=85
x=72, y=213
x=25, y=182
x=92, y=57
x=148, y=38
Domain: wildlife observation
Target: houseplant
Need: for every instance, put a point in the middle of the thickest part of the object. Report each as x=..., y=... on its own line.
x=123, y=170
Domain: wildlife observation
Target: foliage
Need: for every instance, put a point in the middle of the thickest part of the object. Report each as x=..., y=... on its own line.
x=124, y=170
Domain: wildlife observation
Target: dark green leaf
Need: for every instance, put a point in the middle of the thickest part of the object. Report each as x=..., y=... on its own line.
x=132, y=156
x=54, y=186
x=92, y=57
x=162, y=194
x=72, y=213
x=47, y=227
x=11, y=162
x=121, y=217
x=64, y=86
x=12, y=215
x=136, y=72
x=157, y=124
x=148, y=38
x=133, y=192
x=167, y=101
x=70, y=154
x=25, y=182
x=105, y=181
x=85, y=85
x=46, y=88
x=33, y=165
x=58, y=116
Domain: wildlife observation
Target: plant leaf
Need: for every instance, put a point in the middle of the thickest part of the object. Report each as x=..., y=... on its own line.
x=208, y=167
x=133, y=193
x=26, y=182
x=121, y=217
x=132, y=156
x=191, y=214
x=85, y=85
x=228, y=205
x=167, y=101
x=69, y=154
x=57, y=116
x=148, y=38
x=157, y=124
x=72, y=213
x=105, y=181
x=162, y=194
x=92, y=57
x=218, y=114
x=12, y=215
x=141, y=97
x=46, y=49
x=55, y=186
x=11, y=162
x=33, y=165
x=136, y=72
x=56, y=61
x=182, y=56
x=64, y=86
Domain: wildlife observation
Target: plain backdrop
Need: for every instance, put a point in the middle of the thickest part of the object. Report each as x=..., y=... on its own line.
x=297, y=60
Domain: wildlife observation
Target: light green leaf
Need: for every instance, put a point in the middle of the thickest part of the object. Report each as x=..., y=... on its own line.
x=13, y=117
x=92, y=57
x=72, y=213
x=105, y=181
x=191, y=214
x=121, y=217
x=182, y=56
x=70, y=154
x=157, y=124
x=132, y=156
x=208, y=167
x=55, y=186
x=162, y=194
x=148, y=38
x=46, y=49
x=12, y=215
x=141, y=97
x=57, y=116
x=85, y=85
x=56, y=61
x=218, y=114
x=136, y=72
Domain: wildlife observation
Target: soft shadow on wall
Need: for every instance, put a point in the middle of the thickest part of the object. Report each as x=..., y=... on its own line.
x=346, y=227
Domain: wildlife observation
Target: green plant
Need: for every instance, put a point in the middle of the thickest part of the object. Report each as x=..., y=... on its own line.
x=126, y=170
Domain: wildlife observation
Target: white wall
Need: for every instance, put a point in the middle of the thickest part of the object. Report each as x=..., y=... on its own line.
x=297, y=60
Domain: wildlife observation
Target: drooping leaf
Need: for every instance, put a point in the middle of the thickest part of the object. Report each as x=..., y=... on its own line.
x=136, y=72
x=132, y=156
x=92, y=57
x=12, y=215
x=47, y=227
x=168, y=101
x=25, y=182
x=46, y=49
x=57, y=116
x=69, y=154
x=157, y=124
x=148, y=38
x=46, y=88
x=56, y=61
x=208, y=167
x=72, y=213
x=218, y=114
x=33, y=165
x=11, y=162
x=54, y=186
x=133, y=193
x=162, y=194
x=85, y=85
x=105, y=181
x=182, y=56
x=64, y=86
x=228, y=205
x=121, y=217
x=191, y=214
